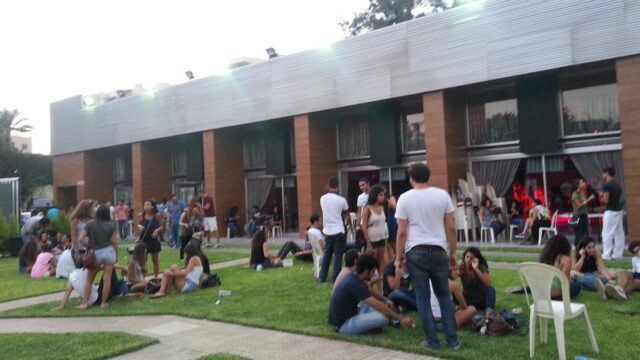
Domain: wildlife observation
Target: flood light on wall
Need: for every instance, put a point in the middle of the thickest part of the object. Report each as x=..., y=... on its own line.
x=189, y=74
x=272, y=53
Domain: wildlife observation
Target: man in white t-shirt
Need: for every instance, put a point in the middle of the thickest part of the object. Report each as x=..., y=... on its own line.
x=425, y=228
x=334, y=208
x=363, y=183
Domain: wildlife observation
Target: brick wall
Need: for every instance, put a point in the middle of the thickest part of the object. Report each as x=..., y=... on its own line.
x=224, y=171
x=68, y=177
x=98, y=176
x=628, y=78
x=151, y=171
x=315, y=141
x=445, y=136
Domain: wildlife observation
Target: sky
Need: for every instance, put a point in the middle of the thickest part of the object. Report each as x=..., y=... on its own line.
x=53, y=50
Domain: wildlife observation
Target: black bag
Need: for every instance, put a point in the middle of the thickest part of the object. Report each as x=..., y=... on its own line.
x=210, y=281
x=492, y=324
x=574, y=221
x=153, y=286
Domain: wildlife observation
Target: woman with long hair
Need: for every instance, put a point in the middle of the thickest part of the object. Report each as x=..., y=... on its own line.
x=580, y=201
x=136, y=268
x=29, y=254
x=557, y=252
x=260, y=257
x=187, y=280
x=80, y=217
x=191, y=221
x=374, y=224
x=488, y=216
x=476, y=282
x=103, y=239
x=150, y=225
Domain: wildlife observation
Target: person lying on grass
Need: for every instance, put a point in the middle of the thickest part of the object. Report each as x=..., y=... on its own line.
x=356, y=310
x=185, y=281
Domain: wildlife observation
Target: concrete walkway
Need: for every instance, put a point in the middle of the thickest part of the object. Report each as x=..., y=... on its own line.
x=184, y=338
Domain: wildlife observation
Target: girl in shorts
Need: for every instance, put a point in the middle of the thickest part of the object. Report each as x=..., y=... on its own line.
x=186, y=280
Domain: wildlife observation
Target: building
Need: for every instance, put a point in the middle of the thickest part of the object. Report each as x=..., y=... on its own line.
x=22, y=143
x=525, y=94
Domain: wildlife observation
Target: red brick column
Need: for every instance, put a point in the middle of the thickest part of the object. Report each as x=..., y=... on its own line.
x=445, y=136
x=98, y=176
x=316, y=160
x=628, y=78
x=68, y=179
x=150, y=171
x=224, y=171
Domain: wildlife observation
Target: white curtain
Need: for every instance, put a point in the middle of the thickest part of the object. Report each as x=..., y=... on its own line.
x=498, y=173
x=258, y=191
x=590, y=166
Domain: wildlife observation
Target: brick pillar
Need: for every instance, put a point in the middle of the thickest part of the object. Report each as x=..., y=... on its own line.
x=224, y=171
x=98, y=176
x=150, y=171
x=316, y=160
x=68, y=179
x=445, y=136
x=628, y=78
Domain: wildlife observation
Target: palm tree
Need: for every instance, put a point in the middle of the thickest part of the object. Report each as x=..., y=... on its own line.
x=10, y=120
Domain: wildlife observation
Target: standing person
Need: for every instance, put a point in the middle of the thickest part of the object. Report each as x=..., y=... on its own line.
x=374, y=223
x=81, y=215
x=122, y=216
x=191, y=222
x=103, y=239
x=175, y=208
x=363, y=184
x=425, y=226
x=149, y=228
x=333, y=210
x=579, y=201
x=612, y=230
x=210, y=223
x=392, y=226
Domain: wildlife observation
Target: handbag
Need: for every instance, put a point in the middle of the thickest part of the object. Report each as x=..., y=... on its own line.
x=575, y=220
x=89, y=260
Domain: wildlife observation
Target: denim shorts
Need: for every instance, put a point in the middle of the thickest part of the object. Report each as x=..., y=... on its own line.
x=189, y=286
x=106, y=255
x=636, y=275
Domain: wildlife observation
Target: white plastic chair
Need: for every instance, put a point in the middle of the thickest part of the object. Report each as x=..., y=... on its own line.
x=317, y=253
x=512, y=231
x=461, y=222
x=485, y=233
x=548, y=230
x=276, y=229
x=539, y=278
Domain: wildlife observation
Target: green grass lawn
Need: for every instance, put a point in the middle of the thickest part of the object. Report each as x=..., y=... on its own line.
x=95, y=345
x=15, y=285
x=288, y=299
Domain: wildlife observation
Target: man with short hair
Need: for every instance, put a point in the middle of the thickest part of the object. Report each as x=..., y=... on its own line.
x=350, y=258
x=333, y=207
x=354, y=309
x=612, y=228
x=122, y=216
x=210, y=223
x=363, y=184
x=425, y=226
x=175, y=208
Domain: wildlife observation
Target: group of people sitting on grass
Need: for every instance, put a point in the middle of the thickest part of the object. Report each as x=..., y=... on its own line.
x=46, y=253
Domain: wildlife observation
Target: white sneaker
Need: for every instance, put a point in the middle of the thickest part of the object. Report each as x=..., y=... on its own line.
x=597, y=283
x=616, y=292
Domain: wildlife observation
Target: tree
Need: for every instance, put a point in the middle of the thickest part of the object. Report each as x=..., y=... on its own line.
x=11, y=120
x=383, y=13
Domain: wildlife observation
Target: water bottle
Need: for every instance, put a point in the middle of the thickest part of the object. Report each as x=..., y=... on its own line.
x=581, y=357
x=222, y=293
x=259, y=267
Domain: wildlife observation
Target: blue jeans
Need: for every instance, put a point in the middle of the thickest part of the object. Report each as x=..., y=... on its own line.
x=586, y=281
x=498, y=227
x=367, y=319
x=488, y=300
x=333, y=248
x=519, y=222
x=122, y=228
x=403, y=298
x=175, y=228
x=432, y=266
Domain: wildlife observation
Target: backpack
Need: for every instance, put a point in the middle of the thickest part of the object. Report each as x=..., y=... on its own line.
x=153, y=286
x=492, y=324
x=210, y=281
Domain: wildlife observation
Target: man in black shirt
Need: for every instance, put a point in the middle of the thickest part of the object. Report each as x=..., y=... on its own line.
x=354, y=309
x=612, y=230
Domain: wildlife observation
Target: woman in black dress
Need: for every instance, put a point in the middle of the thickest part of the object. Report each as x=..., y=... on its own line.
x=150, y=225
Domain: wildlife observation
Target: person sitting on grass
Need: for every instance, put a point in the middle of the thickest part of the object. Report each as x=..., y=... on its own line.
x=65, y=264
x=28, y=255
x=185, y=281
x=396, y=286
x=356, y=310
x=557, y=252
x=350, y=258
x=463, y=314
x=44, y=266
x=260, y=258
x=136, y=269
x=630, y=281
x=476, y=282
x=589, y=271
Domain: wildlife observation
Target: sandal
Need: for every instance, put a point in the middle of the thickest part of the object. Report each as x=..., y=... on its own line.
x=158, y=296
x=81, y=307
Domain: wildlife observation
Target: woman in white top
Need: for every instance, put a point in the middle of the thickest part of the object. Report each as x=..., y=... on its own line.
x=374, y=224
x=186, y=280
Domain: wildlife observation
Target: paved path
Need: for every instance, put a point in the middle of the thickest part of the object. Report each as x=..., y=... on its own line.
x=184, y=338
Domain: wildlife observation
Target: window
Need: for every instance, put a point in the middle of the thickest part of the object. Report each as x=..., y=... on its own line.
x=254, y=151
x=493, y=117
x=590, y=103
x=119, y=170
x=179, y=162
x=412, y=128
x=353, y=137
